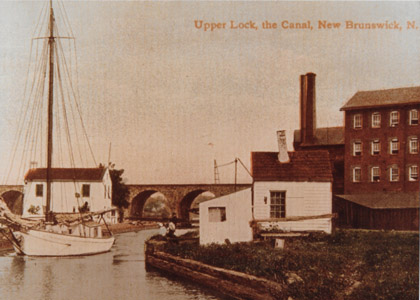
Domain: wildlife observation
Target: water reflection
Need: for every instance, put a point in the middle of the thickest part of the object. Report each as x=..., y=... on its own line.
x=117, y=274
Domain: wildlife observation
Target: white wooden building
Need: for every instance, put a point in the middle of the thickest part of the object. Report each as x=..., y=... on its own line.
x=71, y=188
x=226, y=217
x=292, y=191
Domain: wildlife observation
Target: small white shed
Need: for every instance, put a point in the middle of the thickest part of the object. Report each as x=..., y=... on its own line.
x=226, y=217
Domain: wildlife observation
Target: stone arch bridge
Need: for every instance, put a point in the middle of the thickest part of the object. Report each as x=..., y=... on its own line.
x=13, y=196
x=179, y=196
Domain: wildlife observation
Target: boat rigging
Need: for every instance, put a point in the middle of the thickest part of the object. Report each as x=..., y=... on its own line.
x=55, y=235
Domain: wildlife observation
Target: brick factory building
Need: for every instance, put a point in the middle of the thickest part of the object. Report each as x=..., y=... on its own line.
x=381, y=160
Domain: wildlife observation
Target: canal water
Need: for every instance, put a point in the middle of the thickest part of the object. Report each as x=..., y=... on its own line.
x=118, y=274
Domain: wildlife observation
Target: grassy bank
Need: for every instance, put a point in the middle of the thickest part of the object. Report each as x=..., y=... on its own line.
x=345, y=265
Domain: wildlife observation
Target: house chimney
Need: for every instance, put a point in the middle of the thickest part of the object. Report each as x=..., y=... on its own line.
x=307, y=108
x=281, y=140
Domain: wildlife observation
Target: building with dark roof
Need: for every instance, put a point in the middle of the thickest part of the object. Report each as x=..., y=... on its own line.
x=93, y=188
x=381, y=172
x=78, y=174
x=309, y=165
x=292, y=191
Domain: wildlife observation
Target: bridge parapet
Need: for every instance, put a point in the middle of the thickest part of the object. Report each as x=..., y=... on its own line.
x=179, y=196
x=7, y=188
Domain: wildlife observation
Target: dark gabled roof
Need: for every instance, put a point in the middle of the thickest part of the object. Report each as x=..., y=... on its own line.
x=388, y=200
x=311, y=165
x=86, y=174
x=391, y=97
x=324, y=136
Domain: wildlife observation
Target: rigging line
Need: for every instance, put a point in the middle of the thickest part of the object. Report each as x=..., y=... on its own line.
x=65, y=26
x=35, y=132
x=76, y=101
x=77, y=70
x=39, y=106
x=58, y=135
x=36, y=135
x=58, y=108
x=19, y=136
x=66, y=18
x=70, y=33
x=39, y=65
x=40, y=17
x=72, y=162
x=72, y=110
x=57, y=120
x=41, y=86
x=43, y=137
x=17, y=132
x=22, y=116
x=34, y=114
x=28, y=134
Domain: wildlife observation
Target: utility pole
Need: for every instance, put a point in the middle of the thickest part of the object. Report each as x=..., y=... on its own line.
x=216, y=170
x=216, y=173
x=236, y=171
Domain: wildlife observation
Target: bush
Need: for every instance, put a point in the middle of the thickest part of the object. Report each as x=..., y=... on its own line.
x=349, y=264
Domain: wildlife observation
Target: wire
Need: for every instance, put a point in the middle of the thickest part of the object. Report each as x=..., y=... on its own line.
x=226, y=164
x=244, y=166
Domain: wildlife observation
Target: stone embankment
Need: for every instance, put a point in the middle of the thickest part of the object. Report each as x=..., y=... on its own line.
x=232, y=283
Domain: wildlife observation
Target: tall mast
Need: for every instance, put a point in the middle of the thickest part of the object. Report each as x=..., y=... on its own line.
x=51, y=42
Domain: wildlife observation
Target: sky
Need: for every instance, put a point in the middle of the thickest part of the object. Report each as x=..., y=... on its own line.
x=170, y=97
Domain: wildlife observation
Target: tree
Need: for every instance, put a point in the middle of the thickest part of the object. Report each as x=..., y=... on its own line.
x=120, y=190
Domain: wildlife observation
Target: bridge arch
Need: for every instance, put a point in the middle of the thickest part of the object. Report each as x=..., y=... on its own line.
x=14, y=201
x=187, y=202
x=142, y=201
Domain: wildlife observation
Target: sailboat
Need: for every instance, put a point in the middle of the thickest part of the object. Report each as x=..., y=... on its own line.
x=51, y=234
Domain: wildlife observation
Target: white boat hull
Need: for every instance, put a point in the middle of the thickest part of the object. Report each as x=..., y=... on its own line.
x=45, y=243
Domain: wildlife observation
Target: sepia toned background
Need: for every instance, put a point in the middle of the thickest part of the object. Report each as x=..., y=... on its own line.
x=171, y=98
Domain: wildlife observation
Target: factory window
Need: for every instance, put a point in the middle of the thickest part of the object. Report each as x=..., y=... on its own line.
x=394, y=174
x=376, y=120
x=357, y=174
x=414, y=117
x=357, y=148
x=414, y=145
x=357, y=121
x=413, y=173
x=394, y=118
x=376, y=147
x=394, y=146
x=375, y=174
x=277, y=204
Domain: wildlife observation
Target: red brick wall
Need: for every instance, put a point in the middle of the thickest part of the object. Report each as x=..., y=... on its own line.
x=336, y=153
x=384, y=160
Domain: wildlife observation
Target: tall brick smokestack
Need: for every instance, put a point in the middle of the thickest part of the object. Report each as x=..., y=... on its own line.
x=307, y=108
